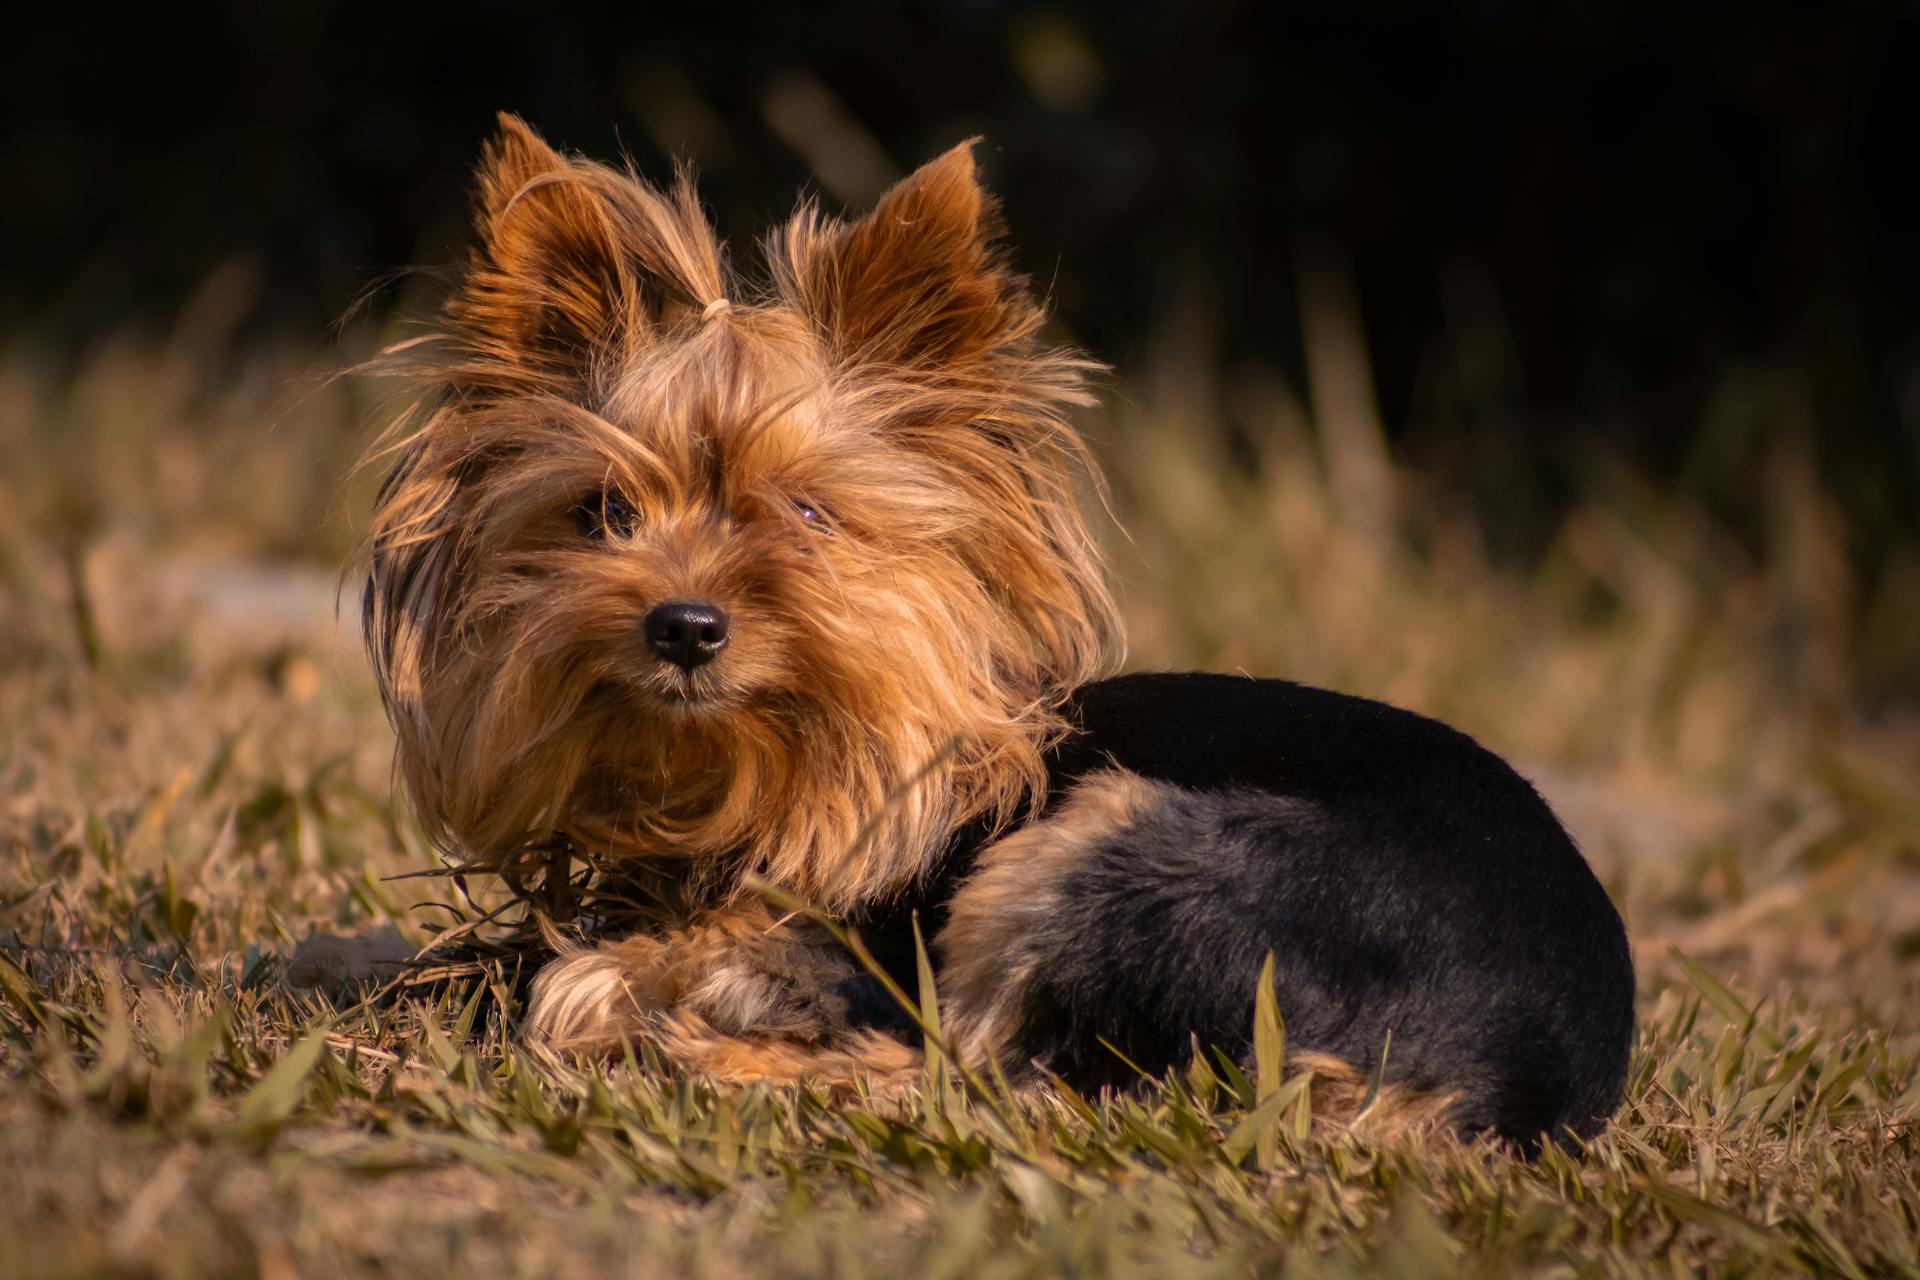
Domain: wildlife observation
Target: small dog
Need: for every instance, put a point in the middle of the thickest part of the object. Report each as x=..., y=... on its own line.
x=794, y=584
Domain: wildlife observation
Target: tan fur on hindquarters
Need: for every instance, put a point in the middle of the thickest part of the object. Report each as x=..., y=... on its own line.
x=988, y=958
x=985, y=950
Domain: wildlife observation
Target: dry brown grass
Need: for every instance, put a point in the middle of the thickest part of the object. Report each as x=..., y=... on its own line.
x=195, y=775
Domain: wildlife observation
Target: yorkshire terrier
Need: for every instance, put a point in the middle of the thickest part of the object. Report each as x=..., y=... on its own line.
x=790, y=584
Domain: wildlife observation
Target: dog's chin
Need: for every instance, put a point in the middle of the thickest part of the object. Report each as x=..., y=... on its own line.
x=688, y=701
x=688, y=697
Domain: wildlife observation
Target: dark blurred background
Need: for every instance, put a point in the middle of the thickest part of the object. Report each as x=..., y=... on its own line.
x=1671, y=237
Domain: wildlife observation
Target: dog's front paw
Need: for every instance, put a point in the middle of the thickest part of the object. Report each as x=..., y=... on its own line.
x=592, y=1002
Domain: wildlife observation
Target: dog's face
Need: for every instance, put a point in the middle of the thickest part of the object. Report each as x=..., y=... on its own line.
x=670, y=571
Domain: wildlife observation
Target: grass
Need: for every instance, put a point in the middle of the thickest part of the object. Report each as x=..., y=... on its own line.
x=194, y=774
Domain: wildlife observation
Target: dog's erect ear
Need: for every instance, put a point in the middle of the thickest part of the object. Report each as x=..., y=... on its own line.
x=550, y=282
x=919, y=281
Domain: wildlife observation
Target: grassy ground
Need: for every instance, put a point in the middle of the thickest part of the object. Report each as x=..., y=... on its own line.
x=194, y=777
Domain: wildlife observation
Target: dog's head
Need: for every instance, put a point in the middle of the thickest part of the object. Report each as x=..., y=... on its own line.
x=791, y=580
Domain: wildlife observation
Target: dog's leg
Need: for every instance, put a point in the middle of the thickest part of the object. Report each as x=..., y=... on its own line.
x=590, y=1000
x=737, y=994
x=882, y=1062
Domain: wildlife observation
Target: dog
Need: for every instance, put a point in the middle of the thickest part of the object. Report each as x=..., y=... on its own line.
x=789, y=584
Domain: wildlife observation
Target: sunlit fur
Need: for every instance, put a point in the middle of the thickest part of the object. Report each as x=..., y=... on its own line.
x=897, y=658
x=861, y=461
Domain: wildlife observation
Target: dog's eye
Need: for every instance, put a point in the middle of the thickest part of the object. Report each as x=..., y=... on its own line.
x=603, y=513
x=812, y=515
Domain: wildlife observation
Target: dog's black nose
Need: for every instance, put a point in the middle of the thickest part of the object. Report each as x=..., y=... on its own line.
x=687, y=632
